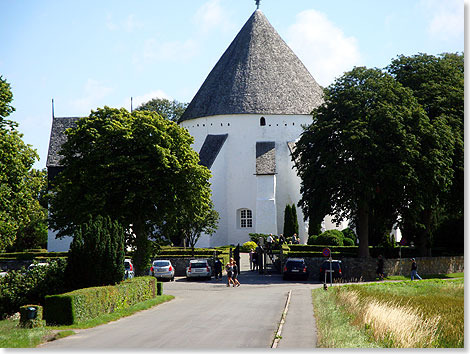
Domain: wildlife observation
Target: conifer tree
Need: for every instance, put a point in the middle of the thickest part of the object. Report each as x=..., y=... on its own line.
x=288, y=222
x=294, y=219
x=96, y=255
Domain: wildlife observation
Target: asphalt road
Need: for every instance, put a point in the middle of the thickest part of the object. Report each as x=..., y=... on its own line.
x=210, y=315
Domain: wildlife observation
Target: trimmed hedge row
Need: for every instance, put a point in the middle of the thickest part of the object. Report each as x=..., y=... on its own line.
x=23, y=256
x=88, y=303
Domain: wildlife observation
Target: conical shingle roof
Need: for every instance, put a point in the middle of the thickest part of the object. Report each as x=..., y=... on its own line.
x=257, y=74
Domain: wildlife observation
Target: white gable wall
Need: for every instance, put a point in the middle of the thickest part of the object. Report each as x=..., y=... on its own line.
x=234, y=183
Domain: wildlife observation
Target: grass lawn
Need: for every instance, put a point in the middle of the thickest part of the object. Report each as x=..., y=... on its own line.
x=406, y=314
x=13, y=336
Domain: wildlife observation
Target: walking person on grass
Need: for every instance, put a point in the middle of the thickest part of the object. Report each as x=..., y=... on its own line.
x=414, y=270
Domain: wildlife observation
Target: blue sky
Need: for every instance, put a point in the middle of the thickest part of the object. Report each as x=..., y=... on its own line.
x=88, y=54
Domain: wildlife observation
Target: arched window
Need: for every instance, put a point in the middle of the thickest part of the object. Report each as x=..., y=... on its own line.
x=262, y=121
x=245, y=218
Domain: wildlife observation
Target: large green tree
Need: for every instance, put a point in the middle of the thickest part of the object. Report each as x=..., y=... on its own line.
x=438, y=84
x=138, y=168
x=361, y=149
x=19, y=204
x=171, y=110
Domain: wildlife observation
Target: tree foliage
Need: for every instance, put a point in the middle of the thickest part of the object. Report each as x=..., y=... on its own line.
x=137, y=168
x=96, y=255
x=361, y=149
x=171, y=110
x=20, y=209
x=438, y=84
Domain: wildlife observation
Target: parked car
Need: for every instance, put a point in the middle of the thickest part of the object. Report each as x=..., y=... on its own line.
x=295, y=268
x=129, y=269
x=39, y=264
x=325, y=267
x=198, y=268
x=162, y=269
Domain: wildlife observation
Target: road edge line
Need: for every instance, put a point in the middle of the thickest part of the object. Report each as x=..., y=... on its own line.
x=277, y=337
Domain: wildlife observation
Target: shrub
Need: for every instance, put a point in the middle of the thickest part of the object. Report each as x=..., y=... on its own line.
x=350, y=234
x=329, y=237
x=23, y=287
x=88, y=303
x=348, y=242
x=248, y=246
x=96, y=255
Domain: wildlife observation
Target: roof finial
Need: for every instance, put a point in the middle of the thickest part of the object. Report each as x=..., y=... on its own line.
x=257, y=4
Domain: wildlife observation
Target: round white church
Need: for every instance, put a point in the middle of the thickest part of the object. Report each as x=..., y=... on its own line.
x=245, y=120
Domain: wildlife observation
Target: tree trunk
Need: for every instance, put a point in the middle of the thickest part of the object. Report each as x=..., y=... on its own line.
x=363, y=228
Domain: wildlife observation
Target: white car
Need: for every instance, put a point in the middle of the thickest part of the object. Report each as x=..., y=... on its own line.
x=40, y=264
x=129, y=269
x=198, y=268
x=162, y=269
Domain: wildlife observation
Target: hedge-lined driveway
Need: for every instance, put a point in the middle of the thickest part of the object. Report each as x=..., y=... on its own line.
x=204, y=314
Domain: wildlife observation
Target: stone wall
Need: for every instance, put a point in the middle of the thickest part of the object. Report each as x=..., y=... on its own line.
x=363, y=269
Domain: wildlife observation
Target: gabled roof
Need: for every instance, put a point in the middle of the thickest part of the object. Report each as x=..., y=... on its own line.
x=58, y=137
x=257, y=74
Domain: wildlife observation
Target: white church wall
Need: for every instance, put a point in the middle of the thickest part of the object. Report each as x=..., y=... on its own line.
x=57, y=244
x=266, y=213
x=238, y=184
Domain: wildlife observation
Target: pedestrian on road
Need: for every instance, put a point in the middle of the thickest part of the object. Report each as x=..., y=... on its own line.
x=218, y=269
x=270, y=241
x=235, y=274
x=251, y=259
x=414, y=270
x=229, y=269
x=255, y=260
x=281, y=240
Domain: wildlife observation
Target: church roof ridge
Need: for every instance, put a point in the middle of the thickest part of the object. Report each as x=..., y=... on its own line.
x=257, y=74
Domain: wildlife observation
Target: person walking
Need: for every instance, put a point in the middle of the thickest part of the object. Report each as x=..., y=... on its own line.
x=255, y=260
x=269, y=242
x=218, y=269
x=414, y=270
x=235, y=274
x=229, y=270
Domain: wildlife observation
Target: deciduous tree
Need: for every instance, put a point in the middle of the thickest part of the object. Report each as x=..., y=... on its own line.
x=365, y=138
x=137, y=167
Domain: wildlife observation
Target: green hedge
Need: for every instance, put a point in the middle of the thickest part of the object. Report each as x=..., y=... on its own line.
x=88, y=303
x=22, y=256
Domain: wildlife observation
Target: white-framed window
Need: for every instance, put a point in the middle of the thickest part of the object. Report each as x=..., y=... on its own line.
x=246, y=218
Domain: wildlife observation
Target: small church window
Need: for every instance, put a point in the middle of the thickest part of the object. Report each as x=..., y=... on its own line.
x=246, y=218
x=262, y=121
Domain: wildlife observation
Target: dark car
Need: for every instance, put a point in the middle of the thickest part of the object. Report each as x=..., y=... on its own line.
x=295, y=268
x=325, y=269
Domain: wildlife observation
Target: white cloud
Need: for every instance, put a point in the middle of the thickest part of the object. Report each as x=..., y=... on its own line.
x=446, y=18
x=323, y=48
x=212, y=16
x=94, y=92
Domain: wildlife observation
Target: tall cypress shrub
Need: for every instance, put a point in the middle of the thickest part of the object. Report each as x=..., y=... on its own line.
x=96, y=255
x=295, y=222
x=288, y=222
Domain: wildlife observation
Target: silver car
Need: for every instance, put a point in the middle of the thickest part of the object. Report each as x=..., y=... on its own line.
x=198, y=268
x=162, y=269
